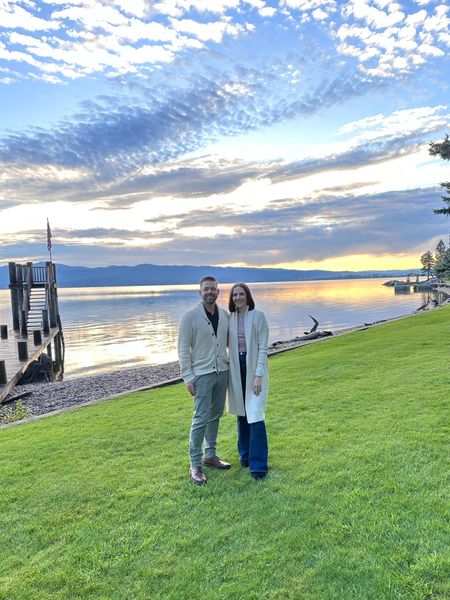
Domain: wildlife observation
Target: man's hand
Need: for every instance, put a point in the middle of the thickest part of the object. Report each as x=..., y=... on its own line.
x=191, y=387
x=257, y=385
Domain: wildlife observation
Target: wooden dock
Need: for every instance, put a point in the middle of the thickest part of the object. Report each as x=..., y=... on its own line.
x=36, y=325
x=15, y=367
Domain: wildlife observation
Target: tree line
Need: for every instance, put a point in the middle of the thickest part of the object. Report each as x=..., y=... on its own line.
x=438, y=263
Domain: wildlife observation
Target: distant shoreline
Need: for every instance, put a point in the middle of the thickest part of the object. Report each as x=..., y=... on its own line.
x=157, y=275
x=221, y=281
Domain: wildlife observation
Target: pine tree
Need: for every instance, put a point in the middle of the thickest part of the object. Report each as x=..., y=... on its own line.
x=442, y=149
x=445, y=265
x=440, y=251
x=442, y=260
x=427, y=260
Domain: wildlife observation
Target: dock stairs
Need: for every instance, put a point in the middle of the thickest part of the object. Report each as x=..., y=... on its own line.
x=38, y=303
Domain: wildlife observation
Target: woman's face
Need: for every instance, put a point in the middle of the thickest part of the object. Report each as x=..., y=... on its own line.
x=239, y=297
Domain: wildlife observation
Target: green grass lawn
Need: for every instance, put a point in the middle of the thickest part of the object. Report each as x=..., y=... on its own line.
x=97, y=503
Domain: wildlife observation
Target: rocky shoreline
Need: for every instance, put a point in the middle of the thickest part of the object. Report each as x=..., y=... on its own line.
x=49, y=398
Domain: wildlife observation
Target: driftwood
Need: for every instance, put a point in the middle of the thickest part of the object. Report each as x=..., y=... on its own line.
x=14, y=398
x=376, y=322
x=432, y=303
x=312, y=334
x=314, y=327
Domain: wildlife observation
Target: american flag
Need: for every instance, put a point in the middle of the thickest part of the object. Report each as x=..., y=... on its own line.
x=49, y=237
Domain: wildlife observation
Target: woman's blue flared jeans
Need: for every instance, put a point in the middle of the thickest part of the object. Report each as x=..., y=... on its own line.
x=252, y=437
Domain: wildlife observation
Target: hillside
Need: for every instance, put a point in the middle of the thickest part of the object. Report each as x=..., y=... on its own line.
x=148, y=274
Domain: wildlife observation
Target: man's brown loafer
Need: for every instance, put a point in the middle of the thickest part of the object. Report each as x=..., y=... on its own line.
x=216, y=463
x=197, y=475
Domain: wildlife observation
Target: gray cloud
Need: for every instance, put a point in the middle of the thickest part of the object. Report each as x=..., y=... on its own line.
x=101, y=233
x=294, y=213
x=6, y=202
x=188, y=180
x=364, y=154
x=184, y=181
x=381, y=223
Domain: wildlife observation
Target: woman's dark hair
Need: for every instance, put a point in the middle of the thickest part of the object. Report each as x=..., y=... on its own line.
x=250, y=301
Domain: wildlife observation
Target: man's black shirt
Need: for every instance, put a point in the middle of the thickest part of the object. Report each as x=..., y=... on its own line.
x=213, y=318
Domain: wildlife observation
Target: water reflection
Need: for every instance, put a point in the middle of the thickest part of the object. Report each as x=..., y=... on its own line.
x=120, y=327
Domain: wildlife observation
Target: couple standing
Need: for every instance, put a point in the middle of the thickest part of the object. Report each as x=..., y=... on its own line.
x=205, y=332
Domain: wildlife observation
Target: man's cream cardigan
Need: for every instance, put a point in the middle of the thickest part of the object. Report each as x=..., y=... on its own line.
x=199, y=350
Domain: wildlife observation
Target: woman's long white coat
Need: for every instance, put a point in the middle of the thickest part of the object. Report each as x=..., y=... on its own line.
x=257, y=339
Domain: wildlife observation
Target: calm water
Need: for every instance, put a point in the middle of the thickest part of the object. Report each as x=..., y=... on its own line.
x=121, y=327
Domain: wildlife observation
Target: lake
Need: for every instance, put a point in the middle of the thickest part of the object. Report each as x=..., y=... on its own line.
x=120, y=327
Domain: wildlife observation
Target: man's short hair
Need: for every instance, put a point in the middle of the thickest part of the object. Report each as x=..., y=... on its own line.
x=208, y=278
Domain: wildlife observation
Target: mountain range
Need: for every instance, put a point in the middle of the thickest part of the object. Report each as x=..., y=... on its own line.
x=148, y=274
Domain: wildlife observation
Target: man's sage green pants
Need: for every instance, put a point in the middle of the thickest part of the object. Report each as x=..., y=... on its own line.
x=209, y=402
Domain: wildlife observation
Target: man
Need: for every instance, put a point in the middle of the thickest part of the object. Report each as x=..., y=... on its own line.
x=202, y=351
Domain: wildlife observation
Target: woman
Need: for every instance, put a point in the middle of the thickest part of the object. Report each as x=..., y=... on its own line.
x=247, y=393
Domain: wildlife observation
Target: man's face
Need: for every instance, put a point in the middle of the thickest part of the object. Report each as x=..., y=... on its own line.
x=209, y=292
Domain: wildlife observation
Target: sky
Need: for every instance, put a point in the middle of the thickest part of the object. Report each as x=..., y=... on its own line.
x=223, y=132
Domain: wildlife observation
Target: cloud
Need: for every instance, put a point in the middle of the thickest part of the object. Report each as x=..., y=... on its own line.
x=373, y=16
x=114, y=139
x=401, y=123
x=206, y=176
x=179, y=7
x=211, y=31
x=99, y=233
x=287, y=231
x=188, y=105
x=357, y=156
x=386, y=41
x=186, y=181
x=267, y=11
x=310, y=229
x=114, y=38
x=318, y=230
x=13, y=16
x=308, y=5
x=137, y=8
x=124, y=37
x=87, y=176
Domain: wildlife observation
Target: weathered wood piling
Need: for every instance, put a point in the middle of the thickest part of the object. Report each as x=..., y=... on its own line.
x=3, y=378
